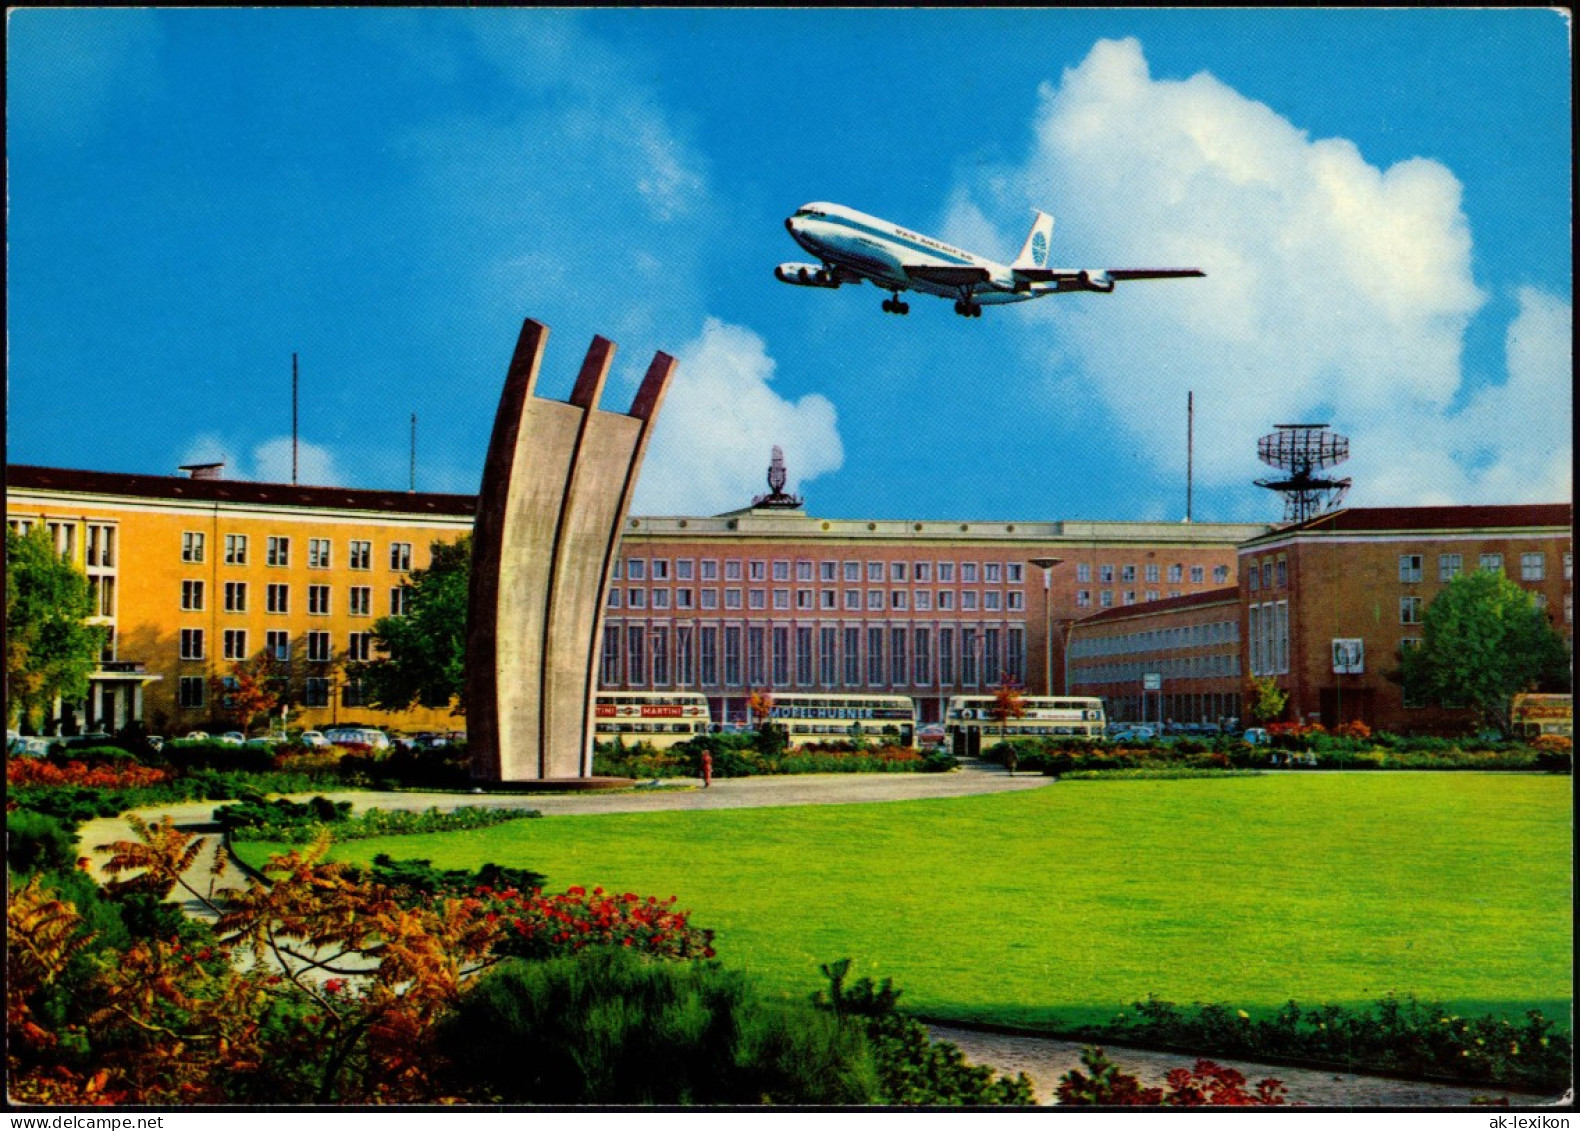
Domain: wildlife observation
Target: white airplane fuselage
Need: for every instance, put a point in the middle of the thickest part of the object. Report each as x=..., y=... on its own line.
x=877, y=250
x=852, y=246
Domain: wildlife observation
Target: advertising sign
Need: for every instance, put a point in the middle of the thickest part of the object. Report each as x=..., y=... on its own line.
x=1349, y=656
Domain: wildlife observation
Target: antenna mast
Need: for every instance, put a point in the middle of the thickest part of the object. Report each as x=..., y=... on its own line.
x=413, y=488
x=1190, y=448
x=293, y=420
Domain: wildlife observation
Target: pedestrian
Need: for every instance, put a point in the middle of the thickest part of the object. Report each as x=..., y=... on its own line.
x=707, y=769
x=1011, y=761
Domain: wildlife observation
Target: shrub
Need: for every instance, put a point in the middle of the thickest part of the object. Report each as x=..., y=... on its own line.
x=609, y=1027
x=300, y=823
x=419, y=878
x=108, y=774
x=37, y=842
x=1206, y=1085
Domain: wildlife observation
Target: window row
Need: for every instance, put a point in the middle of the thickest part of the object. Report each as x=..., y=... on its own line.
x=1267, y=573
x=277, y=551
x=1268, y=629
x=1533, y=566
x=875, y=600
x=277, y=598
x=1152, y=572
x=98, y=547
x=1218, y=665
x=1105, y=597
x=827, y=572
x=784, y=656
x=192, y=692
x=276, y=645
x=1159, y=639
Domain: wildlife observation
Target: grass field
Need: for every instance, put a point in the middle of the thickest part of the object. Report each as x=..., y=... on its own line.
x=1061, y=906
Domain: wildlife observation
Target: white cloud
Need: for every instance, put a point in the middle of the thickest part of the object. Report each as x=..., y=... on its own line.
x=1334, y=288
x=268, y=462
x=718, y=425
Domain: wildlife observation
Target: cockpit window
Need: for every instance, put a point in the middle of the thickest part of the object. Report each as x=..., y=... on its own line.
x=813, y=213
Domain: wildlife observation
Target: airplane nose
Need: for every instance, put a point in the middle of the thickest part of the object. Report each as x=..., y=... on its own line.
x=789, y=224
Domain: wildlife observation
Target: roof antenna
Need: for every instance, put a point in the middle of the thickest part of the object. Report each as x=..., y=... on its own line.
x=412, y=489
x=1190, y=448
x=293, y=420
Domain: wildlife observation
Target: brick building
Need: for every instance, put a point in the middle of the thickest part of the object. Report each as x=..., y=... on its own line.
x=1359, y=581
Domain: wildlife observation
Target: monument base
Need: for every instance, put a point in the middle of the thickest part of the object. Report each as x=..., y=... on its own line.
x=558, y=785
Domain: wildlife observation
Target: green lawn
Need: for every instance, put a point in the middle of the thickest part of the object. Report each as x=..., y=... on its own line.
x=1063, y=905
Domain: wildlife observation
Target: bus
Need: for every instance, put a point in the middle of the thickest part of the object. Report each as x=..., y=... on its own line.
x=1536, y=714
x=660, y=718
x=833, y=717
x=969, y=721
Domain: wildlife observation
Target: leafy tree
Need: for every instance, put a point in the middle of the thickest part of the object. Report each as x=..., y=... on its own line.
x=1483, y=642
x=1009, y=702
x=1265, y=700
x=424, y=660
x=251, y=689
x=50, y=650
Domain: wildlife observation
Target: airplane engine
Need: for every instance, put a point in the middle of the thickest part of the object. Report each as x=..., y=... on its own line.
x=805, y=275
x=1097, y=281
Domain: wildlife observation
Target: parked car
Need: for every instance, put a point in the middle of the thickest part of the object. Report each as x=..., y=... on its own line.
x=196, y=736
x=1136, y=734
x=313, y=738
x=1257, y=736
x=358, y=737
x=29, y=745
x=267, y=741
x=156, y=742
x=930, y=734
x=232, y=738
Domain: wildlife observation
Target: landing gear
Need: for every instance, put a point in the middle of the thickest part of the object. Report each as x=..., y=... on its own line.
x=895, y=306
x=968, y=309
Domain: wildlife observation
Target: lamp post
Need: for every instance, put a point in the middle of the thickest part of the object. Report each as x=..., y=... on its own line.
x=1046, y=565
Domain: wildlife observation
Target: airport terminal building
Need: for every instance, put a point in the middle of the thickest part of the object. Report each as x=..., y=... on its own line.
x=191, y=574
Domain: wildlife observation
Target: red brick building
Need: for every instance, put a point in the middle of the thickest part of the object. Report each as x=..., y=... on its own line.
x=1348, y=591
x=1191, y=644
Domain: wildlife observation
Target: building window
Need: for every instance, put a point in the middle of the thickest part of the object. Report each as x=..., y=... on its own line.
x=756, y=666
x=1448, y=566
x=968, y=601
x=708, y=642
x=359, y=646
x=756, y=599
x=1492, y=563
x=1016, y=662
x=1016, y=573
x=684, y=571
x=803, y=598
x=279, y=551
x=757, y=571
x=191, y=643
x=192, y=596
x=1127, y=573
x=635, y=569
x=875, y=600
x=1220, y=574
x=614, y=598
x=710, y=598
x=1105, y=574
x=318, y=600
x=361, y=554
x=660, y=642
x=898, y=598
x=946, y=600
x=781, y=655
x=732, y=600
x=897, y=656
x=400, y=600
x=636, y=598
x=828, y=598
x=946, y=573
x=732, y=570
x=875, y=657
x=924, y=600
x=781, y=570
x=277, y=598
x=189, y=692
x=1533, y=567
x=684, y=599
x=1152, y=594
x=1152, y=571
x=710, y=569
x=101, y=546
x=1017, y=600
x=990, y=600
x=191, y=546
x=400, y=556
x=1129, y=597
x=827, y=655
x=235, y=549
x=361, y=601
x=660, y=568
x=315, y=692
x=1409, y=568
x=781, y=598
x=277, y=645
x=853, y=600
x=968, y=573
x=852, y=657
x=852, y=572
x=827, y=572
x=1409, y=610
x=609, y=658
x=1281, y=574
x=946, y=655
x=318, y=553
x=235, y=596
x=1105, y=598
x=1568, y=567
x=661, y=598
x=922, y=665
x=1083, y=572
x=318, y=647
x=803, y=654
x=922, y=572
x=991, y=573
x=235, y=643
x=1083, y=598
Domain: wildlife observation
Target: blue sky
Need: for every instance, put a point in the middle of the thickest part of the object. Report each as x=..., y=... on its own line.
x=1381, y=201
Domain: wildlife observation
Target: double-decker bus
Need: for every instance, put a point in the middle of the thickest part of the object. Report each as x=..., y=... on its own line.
x=661, y=718
x=969, y=721
x=1537, y=714
x=839, y=718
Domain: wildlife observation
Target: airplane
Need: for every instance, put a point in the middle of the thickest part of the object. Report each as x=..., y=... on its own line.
x=852, y=246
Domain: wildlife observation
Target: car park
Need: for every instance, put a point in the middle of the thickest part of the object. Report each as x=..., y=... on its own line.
x=313, y=738
x=358, y=737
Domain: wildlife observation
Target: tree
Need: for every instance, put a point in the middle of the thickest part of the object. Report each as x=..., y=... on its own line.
x=1264, y=699
x=50, y=649
x=1009, y=702
x=424, y=660
x=1483, y=641
x=251, y=689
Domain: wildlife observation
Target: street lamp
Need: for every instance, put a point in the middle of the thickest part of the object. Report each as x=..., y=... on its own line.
x=1046, y=565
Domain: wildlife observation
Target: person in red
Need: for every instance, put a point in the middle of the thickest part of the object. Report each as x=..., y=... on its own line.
x=707, y=769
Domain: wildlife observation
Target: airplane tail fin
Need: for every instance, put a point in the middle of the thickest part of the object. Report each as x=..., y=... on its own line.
x=1035, y=252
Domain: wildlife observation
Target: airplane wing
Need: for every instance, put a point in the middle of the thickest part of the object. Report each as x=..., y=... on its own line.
x=1067, y=275
x=948, y=276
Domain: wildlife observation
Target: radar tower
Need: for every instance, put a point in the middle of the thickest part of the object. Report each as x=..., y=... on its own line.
x=1304, y=452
